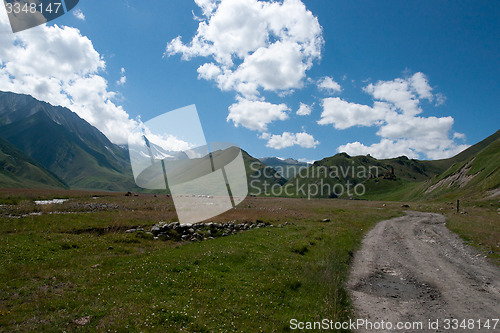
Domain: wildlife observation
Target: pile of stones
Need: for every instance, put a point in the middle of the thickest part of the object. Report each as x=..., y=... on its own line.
x=200, y=231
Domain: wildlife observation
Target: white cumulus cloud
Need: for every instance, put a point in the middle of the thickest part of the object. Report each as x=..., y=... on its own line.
x=342, y=114
x=254, y=45
x=405, y=94
x=123, y=78
x=60, y=66
x=256, y=115
x=304, y=110
x=329, y=85
x=384, y=149
x=79, y=14
x=288, y=139
x=396, y=111
x=251, y=47
x=306, y=140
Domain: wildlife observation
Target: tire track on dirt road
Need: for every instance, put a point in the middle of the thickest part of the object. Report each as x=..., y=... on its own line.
x=413, y=269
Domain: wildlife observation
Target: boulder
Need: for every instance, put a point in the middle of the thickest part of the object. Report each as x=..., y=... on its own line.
x=174, y=225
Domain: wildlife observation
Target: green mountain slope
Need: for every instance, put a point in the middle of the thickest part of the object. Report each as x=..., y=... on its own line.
x=18, y=170
x=477, y=176
x=465, y=155
x=64, y=144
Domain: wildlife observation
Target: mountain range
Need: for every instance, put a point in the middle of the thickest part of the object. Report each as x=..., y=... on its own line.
x=286, y=168
x=475, y=172
x=45, y=146
x=64, y=144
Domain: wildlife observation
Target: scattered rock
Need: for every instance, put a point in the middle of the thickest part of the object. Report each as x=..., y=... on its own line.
x=129, y=231
x=92, y=206
x=82, y=321
x=201, y=231
x=155, y=230
x=174, y=225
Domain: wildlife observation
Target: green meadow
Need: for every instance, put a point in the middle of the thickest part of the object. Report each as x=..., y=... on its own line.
x=72, y=267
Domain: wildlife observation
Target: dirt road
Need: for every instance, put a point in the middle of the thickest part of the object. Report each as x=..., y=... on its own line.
x=413, y=269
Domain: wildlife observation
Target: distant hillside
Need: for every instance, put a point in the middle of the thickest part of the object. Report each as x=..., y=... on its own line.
x=475, y=173
x=261, y=178
x=64, y=144
x=334, y=176
x=287, y=168
x=472, y=172
x=20, y=171
x=468, y=153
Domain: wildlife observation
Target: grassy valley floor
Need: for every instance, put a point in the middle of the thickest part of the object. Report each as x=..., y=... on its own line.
x=71, y=266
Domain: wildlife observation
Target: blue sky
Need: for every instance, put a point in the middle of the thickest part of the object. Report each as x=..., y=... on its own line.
x=419, y=78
